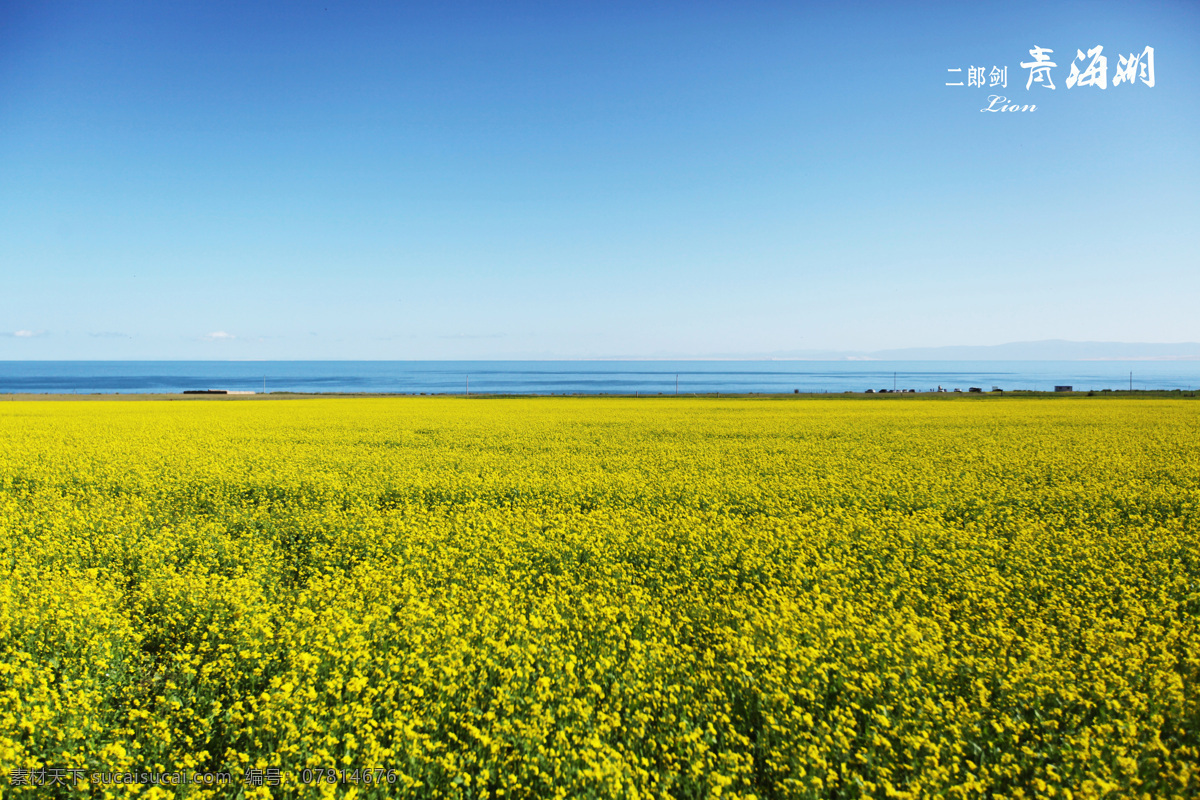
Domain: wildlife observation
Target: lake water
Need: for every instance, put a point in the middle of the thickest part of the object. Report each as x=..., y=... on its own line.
x=586, y=377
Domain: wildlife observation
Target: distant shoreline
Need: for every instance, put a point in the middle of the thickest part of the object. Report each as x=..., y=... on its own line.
x=1136, y=394
x=390, y=378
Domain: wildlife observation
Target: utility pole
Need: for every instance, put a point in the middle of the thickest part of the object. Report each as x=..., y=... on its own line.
x=264, y=384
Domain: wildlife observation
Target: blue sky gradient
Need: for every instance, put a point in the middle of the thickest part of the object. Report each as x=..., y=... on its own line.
x=577, y=179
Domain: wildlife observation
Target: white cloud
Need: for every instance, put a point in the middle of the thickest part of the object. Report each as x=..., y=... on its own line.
x=219, y=336
x=24, y=334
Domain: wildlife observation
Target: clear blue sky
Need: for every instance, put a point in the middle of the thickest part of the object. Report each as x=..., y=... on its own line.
x=587, y=179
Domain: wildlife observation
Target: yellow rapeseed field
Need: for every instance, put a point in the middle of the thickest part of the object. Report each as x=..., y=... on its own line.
x=601, y=597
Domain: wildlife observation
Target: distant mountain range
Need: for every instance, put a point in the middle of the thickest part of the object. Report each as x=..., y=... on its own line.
x=1047, y=350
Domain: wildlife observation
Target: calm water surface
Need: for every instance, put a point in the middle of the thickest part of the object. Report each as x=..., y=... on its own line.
x=586, y=377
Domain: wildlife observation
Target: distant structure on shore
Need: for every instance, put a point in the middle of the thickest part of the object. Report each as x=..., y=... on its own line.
x=215, y=391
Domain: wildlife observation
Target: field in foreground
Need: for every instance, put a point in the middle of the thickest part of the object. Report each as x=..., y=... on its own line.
x=604, y=598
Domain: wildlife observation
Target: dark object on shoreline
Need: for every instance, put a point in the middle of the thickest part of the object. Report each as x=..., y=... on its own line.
x=1062, y=388
x=206, y=391
x=974, y=389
